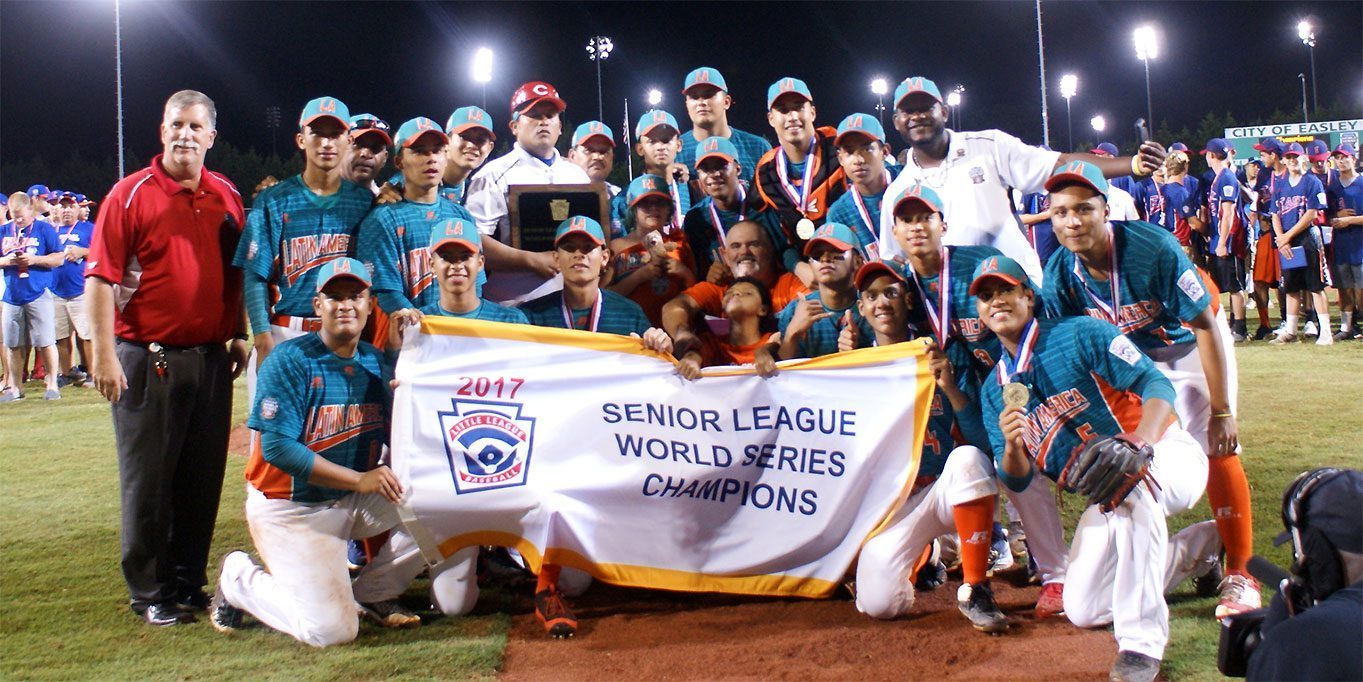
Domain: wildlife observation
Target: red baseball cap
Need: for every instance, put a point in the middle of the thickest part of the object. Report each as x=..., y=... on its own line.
x=532, y=93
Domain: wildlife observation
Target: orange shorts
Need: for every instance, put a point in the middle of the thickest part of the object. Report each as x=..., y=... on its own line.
x=1267, y=268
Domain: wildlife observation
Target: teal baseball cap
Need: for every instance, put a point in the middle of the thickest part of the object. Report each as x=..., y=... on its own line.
x=837, y=235
x=913, y=85
x=583, y=225
x=339, y=268
x=1077, y=173
x=864, y=125
x=652, y=119
x=920, y=194
x=646, y=186
x=465, y=118
x=1001, y=268
x=787, y=86
x=871, y=269
x=591, y=129
x=705, y=75
x=369, y=124
x=456, y=231
x=325, y=107
x=417, y=128
x=716, y=146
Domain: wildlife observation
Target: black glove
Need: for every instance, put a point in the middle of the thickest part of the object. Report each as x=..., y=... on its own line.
x=1106, y=470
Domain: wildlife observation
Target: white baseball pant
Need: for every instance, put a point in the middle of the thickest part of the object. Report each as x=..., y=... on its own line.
x=1192, y=396
x=1121, y=561
x=306, y=590
x=887, y=560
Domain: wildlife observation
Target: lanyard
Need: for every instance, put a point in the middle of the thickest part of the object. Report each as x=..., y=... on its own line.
x=570, y=323
x=799, y=196
x=1110, y=313
x=21, y=238
x=872, y=250
x=720, y=230
x=939, y=314
x=1007, y=368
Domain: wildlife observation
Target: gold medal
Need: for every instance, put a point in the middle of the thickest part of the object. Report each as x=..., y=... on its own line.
x=1015, y=395
x=805, y=228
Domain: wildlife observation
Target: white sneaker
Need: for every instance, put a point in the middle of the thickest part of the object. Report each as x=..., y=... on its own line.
x=1325, y=340
x=1309, y=329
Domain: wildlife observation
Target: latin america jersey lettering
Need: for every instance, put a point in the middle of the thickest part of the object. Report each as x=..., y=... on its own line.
x=394, y=244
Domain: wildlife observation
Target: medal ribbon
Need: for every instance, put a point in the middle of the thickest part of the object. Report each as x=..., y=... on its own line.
x=861, y=206
x=1114, y=281
x=720, y=232
x=939, y=314
x=1007, y=368
x=570, y=323
x=796, y=196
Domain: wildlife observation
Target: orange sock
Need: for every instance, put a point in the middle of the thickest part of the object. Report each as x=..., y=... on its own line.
x=1228, y=494
x=974, y=520
x=548, y=578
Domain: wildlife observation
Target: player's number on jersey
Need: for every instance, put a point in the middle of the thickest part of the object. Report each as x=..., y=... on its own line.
x=483, y=387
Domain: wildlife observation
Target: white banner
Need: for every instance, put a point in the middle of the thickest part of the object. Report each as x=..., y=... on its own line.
x=1291, y=129
x=587, y=451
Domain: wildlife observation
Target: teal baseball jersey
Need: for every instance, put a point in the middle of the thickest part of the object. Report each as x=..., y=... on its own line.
x=822, y=337
x=1156, y=287
x=394, y=245
x=962, y=319
x=486, y=310
x=291, y=231
x=948, y=428
x=706, y=222
x=613, y=314
x=1085, y=380
x=862, y=214
x=337, y=408
x=750, y=150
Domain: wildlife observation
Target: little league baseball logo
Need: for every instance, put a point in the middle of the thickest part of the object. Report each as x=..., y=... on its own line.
x=488, y=444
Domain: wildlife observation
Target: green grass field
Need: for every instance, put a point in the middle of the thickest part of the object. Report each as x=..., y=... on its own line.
x=63, y=606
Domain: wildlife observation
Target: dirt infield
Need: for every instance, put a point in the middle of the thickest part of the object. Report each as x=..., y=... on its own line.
x=641, y=634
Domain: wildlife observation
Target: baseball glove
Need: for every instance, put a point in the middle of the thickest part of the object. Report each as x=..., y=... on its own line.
x=1106, y=470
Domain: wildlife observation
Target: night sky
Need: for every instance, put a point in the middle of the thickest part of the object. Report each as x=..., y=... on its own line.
x=400, y=60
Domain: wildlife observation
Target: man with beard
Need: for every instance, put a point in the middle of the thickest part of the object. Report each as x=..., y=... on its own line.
x=972, y=170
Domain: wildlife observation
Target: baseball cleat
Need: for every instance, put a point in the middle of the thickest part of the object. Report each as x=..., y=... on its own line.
x=1000, y=556
x=11, y=396
x=553, y=613
x=977, y=603
x=224, y=617
x=1309, y=329
x=1239, y=593
x=1263, y=332
x=1283, y=338
x=1051, y=602
x=1133, y=667
x=390, y=614
x=1208, y=584
x=1017, y=540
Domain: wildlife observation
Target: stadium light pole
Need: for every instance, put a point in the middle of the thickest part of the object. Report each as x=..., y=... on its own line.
x=879, y=88
x=1069, y=87
x=1305, y=117
x=481, y=70
x=655, y=97
x=118, y=75
x=1307, y=34
x=598, y=50
x=955, y=100
x=1147, y=48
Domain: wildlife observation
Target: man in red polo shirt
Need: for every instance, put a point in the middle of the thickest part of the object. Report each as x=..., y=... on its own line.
x=164, y=302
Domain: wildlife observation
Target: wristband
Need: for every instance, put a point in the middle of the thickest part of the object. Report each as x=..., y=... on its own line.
x=1222, y=415
x=1136, y=169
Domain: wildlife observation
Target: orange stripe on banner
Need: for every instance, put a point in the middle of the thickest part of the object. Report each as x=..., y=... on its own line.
x=646, y=576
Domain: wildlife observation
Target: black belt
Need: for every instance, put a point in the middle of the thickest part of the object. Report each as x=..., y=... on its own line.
x=201, y=348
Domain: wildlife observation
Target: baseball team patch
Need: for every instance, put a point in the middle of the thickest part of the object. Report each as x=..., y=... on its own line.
x=1124, y=349
x=269, y=407
x=1191, y=285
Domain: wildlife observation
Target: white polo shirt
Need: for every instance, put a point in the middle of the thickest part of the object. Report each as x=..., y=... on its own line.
x=485, y=199
x=973, y=182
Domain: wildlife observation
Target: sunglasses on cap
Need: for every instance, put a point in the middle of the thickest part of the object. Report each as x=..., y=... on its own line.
x=370, y=124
